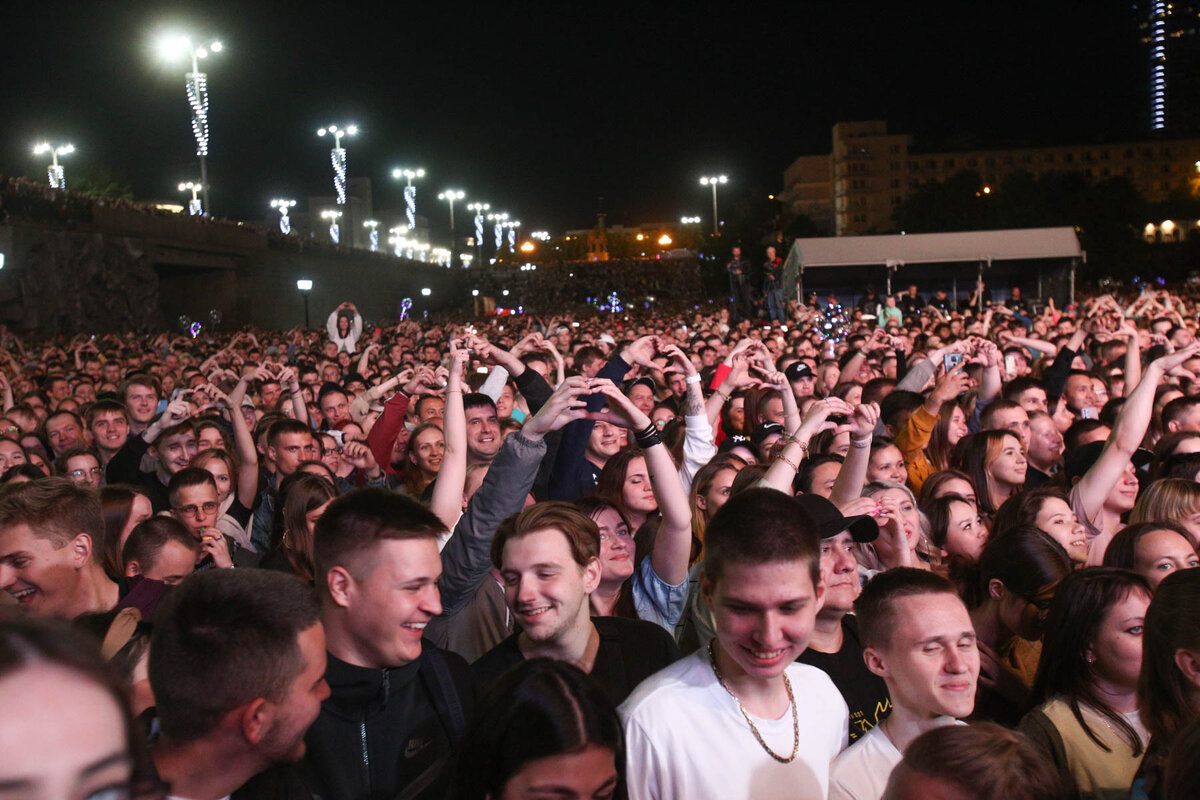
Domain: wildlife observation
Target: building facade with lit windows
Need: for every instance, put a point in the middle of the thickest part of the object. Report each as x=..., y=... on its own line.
x=855, y=189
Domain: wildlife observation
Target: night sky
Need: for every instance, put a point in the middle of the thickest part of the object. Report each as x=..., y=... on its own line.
x=543, y=109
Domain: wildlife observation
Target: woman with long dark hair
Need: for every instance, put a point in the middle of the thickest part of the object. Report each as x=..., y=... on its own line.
x=302, y=500
x=1008, y=593
x=1153, y=550
x=1047, y=509
x=544, y=730
x=1169, y=684
x=1086, y=718
x=995, y=462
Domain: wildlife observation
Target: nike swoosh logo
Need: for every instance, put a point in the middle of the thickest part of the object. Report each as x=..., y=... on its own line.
x=415, y=746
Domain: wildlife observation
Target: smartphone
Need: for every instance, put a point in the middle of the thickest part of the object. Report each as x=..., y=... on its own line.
x=1010, y=364
x=1089, y=413
x=952, y=360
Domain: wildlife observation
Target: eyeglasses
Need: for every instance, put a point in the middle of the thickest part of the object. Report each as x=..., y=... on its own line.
x=83, y=473
x=191, y=511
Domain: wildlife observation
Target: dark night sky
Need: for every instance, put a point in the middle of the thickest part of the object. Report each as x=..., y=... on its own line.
x=541, y=109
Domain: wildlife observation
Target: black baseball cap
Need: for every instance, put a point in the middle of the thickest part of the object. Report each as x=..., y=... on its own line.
x=763, y=430
x=797, y=370
x=830, y=521
x=1081, y=459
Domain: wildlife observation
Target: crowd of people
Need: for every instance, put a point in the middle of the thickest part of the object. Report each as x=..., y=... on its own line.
x=930, y=553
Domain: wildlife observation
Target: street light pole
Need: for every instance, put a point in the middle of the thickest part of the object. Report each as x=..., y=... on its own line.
x=450, y=195
x=337, y=157
x=305, y=286
x=713, y=181
x=479, y=209
x=55, y=170
x=197, y=95
x=194, y=206
x=410, y=193
x=285, y=222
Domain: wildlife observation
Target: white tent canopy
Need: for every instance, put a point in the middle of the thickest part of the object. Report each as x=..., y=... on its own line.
x=894, y=251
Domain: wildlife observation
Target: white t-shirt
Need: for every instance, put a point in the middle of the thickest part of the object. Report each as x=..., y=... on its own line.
x=686, y=738
x=861, y=772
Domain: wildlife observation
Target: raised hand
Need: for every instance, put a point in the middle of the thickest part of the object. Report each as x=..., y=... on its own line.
x=567, y=404
x=817, y=418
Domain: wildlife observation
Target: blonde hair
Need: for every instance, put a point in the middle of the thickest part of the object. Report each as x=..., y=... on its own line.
x=1166, y=499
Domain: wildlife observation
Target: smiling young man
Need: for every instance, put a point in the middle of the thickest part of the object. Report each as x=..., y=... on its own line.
x=108, y=422
x=549, y=561
x=738, y=718
x=919, y=638
x=399, y=705
x=50, y=533
x=172, y=441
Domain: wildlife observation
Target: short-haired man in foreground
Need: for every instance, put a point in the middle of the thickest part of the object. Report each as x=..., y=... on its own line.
x=738, y=718
x=50, y=536
x=918, y=637
x=399, y=705
x=237, y=666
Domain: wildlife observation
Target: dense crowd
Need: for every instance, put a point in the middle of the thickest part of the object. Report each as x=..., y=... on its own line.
x=893, y=550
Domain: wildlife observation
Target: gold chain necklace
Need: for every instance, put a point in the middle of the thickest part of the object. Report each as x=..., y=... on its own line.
x=712, y=658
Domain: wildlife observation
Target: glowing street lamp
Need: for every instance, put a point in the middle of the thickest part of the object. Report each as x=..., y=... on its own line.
x=373, y=226
x=527, y=247
x=305, y=286
x=337, y=157
x=664, y=240
x=285, y=222
x=410, y=193
x=194, y=206
x=335, y=233
x=398, y=240
x=712, y=181
x=541, y=236
x=170, y=48
x=512, y=234
x=55, y=170
x=499, y=219
x=450, y=195
x=479, y=209
x=690, y=220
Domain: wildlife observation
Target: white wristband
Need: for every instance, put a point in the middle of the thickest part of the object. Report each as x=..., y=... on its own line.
x=692, y=379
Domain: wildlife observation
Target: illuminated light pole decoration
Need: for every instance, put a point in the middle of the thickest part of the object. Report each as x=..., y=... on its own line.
x=335, y=232
x=478, y=208
x=712, y=181
x=55, y=170
x=194, y=206
x=410, y=193
x=512, y=234
x=499, y=219
x=373, y=226
x=285, y=222
x=450, y=195
x=337, y=157
x=197, y=95
x=1158, y=64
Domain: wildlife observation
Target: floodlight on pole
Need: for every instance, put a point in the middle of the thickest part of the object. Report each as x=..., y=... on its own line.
x=171, y=47
x=335, y=232
x=398, y=240
x=690, y=220
x=337, y=157
x=410, y=192
x=713, y=180
x=373, y=226
x=55, y=170
x=285, y=222
x=194, y=206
